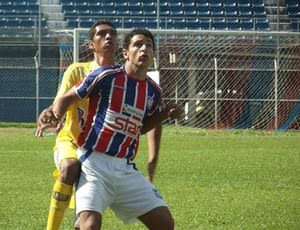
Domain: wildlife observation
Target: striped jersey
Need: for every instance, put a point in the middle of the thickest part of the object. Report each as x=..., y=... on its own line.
x=118, y=105
x=76, y=113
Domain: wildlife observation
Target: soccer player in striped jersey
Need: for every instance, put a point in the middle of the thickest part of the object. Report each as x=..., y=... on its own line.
x=121, y=100
x=65, y=147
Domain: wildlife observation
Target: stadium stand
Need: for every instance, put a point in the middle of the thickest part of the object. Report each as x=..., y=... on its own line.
x=293, y=10
x=183, y=15
x=199, y=14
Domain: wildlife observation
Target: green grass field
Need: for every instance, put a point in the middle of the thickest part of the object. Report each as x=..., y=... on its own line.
x=211, y=180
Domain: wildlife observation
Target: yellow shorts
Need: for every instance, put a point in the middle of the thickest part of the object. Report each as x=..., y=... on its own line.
x=63, y=150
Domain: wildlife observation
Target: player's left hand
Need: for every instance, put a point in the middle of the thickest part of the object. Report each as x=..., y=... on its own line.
x=175, y=111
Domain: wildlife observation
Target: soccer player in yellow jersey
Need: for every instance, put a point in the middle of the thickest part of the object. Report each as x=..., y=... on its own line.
x=103, y=43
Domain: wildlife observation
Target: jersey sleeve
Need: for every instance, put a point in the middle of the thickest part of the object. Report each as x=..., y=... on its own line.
x=156, y=100
x=92, y=83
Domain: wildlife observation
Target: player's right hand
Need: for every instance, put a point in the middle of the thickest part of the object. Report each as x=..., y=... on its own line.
x=46, y=120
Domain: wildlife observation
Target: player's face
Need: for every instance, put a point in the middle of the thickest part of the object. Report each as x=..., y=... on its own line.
x=105, y=39
x=140, y=51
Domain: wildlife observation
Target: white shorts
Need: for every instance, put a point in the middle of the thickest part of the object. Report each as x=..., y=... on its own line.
x=107, y=181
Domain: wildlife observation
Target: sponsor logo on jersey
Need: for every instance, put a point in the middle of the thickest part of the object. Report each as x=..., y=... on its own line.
x=150, y=101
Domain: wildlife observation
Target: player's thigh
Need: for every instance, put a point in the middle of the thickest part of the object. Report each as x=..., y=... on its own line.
x=158, y=218
x=93, y=191
x=64, y=150
x=135, y=196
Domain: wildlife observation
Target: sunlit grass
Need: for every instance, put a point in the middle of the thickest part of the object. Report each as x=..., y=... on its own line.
x=239, y=179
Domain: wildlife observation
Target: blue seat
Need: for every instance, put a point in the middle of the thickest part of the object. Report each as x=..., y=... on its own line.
x=244, y=4
x=73, y=22
x=218, y=24
x=200, y=5
x=294, y=11
x=231, y=14
x=291, y=2
x=69, y=10
x=148, y=6
x=117, y=22
x=246, y=14
x=27, y=22
x=122, y=12
x=164, y=9
x=167, y=23
x=204, y=13
x=139, y=22
x=6, y=2
x=137, y=13
x=13, y=22
x=151, y=23
x=259, y=11
x=3, y=22
x=213, y=3
x=175, y=5
x=33, y=9
x=132, y=4
x=165, y=13
x=109, y=12
x=258, y=3
x=188, y=5
x=247, y=24
x=86, y=23
x=179, y=23
x=121, y=4
x=176, y=13
x=229, y=3
x=8, y=9
x=190, y=13
x=233, y=24
x=295, y=25
x=95, y=12
x=94, y=4
x=204, y=24
x=192, y=23
x=262, y=25
x=22, y=9
x=149, y=13
x=107, y=4
x=217, y=11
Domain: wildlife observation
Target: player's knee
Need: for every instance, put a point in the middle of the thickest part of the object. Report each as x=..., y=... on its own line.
x=69, y=170
x=158, y=218
x=90, y=220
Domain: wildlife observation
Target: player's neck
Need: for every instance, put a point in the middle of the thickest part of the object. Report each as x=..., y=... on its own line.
x=138, y=73
x=104, y=61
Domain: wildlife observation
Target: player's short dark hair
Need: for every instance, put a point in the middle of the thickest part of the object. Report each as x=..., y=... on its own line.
x=134, y=32
x=92, y=30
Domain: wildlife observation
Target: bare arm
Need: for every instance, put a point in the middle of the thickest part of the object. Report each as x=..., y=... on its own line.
x=153, y=138
x=62, y=103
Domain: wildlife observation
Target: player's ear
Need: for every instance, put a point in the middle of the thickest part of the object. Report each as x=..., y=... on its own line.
x=91, y=45
x=125, y=54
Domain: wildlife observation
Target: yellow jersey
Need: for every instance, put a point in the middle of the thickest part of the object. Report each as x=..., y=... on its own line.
x=76, y=113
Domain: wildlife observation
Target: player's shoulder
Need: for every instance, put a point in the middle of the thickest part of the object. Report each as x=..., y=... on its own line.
x=104, y=71
x=80, y=65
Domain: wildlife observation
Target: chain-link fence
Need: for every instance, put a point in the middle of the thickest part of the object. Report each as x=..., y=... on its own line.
x=223, y=79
